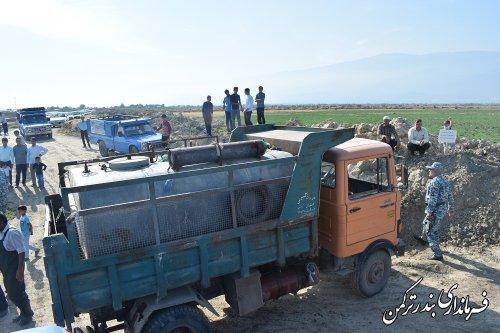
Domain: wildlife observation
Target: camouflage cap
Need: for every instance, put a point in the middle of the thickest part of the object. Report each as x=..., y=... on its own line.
x=436, y=166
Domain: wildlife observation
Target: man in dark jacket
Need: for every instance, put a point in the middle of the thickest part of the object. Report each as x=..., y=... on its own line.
x=207, y=110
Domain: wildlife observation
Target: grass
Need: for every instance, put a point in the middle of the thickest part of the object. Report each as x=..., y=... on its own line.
x=471, y=124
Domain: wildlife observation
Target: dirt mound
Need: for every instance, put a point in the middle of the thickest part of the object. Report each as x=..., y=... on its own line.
x=474, y=175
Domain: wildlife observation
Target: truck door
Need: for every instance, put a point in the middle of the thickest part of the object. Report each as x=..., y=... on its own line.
x=371, y=200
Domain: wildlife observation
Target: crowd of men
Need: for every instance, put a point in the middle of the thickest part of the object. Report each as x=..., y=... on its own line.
x=232, y=107
x=14, y=242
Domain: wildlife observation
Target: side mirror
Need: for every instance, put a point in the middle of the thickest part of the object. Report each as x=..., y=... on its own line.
x=403, y=174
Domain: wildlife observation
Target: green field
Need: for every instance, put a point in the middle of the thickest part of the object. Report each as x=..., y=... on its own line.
x=470, y=123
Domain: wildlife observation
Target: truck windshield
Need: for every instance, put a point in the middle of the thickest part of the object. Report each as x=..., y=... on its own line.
x=34, y=120
x=136, y=130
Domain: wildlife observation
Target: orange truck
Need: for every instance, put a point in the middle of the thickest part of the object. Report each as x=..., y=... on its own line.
x=359, y=217
x=359, y=222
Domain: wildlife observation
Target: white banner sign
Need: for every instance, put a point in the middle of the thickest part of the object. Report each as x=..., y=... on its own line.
x=447, y=136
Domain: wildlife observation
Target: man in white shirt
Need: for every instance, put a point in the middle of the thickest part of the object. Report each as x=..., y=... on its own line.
x=7, y=156
x=248, y=108
x=418, y=139
x=33, y=152
x=84, y=131
x=12, y=268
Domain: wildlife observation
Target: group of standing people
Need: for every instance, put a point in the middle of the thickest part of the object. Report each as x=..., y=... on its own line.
x=232, y=106
x=23, y=157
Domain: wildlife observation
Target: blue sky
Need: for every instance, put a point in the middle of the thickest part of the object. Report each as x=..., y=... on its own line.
x=103, y=53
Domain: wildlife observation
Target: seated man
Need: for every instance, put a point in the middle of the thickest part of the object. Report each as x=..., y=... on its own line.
x=418, y=139
x=387, y=133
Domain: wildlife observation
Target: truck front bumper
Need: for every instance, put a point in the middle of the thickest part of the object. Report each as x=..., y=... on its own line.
x=35, y=133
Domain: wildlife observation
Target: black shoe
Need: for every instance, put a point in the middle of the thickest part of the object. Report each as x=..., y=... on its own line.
x=435, y=257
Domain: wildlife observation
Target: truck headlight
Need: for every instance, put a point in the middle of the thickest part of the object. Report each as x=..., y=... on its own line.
x=144, y=146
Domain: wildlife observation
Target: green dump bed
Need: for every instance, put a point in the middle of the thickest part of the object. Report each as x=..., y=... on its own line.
x=83, y=280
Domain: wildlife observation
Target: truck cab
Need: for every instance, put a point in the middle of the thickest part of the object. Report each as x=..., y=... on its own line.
x=33, y=122
x=122, y=134
x=359, y=218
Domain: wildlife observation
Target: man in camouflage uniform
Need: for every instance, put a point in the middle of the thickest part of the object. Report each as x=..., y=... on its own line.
x=438, y=193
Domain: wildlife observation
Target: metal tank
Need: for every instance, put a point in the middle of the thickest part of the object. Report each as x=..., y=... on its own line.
x=186, y=207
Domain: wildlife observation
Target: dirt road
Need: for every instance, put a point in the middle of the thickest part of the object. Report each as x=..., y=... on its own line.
x=329, y=306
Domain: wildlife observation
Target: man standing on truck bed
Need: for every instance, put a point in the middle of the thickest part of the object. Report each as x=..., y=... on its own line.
x=12, y=268
x=84, y=131
x=438, y=193
x=33, y=152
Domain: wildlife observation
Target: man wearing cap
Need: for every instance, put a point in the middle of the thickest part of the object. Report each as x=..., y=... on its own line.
x=437, y=195
x=386, y=132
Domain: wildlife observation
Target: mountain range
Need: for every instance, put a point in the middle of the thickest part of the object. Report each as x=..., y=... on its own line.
x=451, y=77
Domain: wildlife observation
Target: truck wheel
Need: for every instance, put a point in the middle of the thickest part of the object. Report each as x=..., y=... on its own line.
x=372, y=274
x=103, y=150
x=253, y=204
x=181, y=318
x=133, y=150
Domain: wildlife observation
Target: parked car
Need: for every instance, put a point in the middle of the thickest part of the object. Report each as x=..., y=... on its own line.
x=33, y=122
x=123, y=134
x=56, y=118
